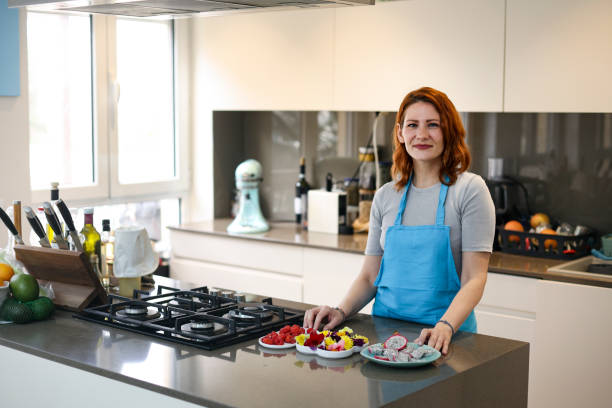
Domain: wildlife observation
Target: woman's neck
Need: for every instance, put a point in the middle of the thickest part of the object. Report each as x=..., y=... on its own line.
x=426, y=173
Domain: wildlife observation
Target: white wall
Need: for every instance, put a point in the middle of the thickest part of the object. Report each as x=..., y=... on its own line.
x=14, y=138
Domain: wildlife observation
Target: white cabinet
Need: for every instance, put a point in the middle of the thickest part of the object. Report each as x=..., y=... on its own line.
x=382, y=52
x=508, y=307
x=263, y=268
x=264, y=61
x=558, y=56
x=573, y=358
x=328, y=276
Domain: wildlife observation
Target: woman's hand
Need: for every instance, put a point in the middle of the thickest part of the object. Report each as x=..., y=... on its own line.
x=438, y=337
x=313, y=317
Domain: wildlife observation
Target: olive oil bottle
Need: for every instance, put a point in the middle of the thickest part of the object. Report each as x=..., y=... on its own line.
x=91, y=237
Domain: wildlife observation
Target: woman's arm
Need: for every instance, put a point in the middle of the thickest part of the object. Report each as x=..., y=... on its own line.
x=360, y=293
x=473, y=280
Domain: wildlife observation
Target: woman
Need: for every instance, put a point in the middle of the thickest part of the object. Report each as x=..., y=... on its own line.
x=431, y=229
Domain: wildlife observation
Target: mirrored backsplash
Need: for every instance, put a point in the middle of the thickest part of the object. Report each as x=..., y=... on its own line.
x=563, y=159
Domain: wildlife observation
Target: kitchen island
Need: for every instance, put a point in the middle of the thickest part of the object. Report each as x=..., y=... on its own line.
x=69, y=362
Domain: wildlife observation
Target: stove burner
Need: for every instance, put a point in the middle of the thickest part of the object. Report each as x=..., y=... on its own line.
x=258, y=309
x=135, y=310
x=138, y=312
x=205, y=328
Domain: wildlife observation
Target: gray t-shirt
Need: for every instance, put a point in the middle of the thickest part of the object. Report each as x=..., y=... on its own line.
x=469, y=211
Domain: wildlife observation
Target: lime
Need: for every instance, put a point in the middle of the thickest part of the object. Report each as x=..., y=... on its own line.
x=41, y=307
x=24, y=287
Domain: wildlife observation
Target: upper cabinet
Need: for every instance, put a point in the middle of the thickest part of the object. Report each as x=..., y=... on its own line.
x=264, y=61
x=558, y=56
x=382, y=52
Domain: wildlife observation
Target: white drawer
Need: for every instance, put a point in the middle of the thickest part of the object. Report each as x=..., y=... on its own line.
x=268, y=256
x=238, y=279
x=510, y=292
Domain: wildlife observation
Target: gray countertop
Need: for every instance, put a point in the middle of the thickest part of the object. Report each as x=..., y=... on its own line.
x=494, y=368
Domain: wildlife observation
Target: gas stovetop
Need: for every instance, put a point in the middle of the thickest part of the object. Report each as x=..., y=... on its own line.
x=198, y=317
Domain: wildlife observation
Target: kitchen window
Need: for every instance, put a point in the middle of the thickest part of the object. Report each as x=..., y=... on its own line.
x=106, y=117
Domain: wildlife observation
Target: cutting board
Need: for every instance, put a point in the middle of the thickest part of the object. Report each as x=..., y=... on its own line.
x=72, y=278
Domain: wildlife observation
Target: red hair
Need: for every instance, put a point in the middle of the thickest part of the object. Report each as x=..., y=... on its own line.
x=455, y=156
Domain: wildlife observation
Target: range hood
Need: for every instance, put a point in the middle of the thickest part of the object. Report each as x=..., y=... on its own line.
x=154, y=8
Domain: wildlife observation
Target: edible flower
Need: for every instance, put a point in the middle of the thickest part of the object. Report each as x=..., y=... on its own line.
x=300, y=339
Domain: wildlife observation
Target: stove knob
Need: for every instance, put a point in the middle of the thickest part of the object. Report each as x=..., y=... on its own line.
x=240, y=297
x=228, y=294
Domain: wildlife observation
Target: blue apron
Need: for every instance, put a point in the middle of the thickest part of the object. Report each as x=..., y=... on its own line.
x=418, y=280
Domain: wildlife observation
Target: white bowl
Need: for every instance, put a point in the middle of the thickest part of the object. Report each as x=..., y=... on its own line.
x=4, y=290
x=334, y=354
x=305, y=349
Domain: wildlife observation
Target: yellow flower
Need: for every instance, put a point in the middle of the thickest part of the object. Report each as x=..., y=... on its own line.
x=365, y=339
x=347, y=330
x=325, y=333
x=348, y=342
x=329, y=341
x=300, y=339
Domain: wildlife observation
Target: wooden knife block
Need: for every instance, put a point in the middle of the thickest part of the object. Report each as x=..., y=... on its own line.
x=74, y=282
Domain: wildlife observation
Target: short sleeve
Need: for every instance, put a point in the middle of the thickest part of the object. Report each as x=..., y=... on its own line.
x=373, y=245
x=477, y=217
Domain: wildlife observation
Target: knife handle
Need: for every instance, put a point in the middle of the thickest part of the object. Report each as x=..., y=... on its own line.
x=63, y=209
x=17, y=216
x=34, y=222
x=52, y=220
x=7, y=221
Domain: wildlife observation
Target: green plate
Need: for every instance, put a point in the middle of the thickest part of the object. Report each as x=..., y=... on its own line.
x=424, y=361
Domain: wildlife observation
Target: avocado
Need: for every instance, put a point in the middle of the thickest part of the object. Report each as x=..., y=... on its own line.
x=41, y=307
x=17, y=312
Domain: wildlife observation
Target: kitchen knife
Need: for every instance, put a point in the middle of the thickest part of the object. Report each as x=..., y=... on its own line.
x=9, y=224
x=55, y=226
x=37, y=227
x=63, y=209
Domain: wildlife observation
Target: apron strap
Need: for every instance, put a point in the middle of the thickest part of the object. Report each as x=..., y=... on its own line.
x=441, y=201
x=402, y=207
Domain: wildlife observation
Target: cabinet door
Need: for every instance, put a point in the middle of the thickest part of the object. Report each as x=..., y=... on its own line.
x=328, y=276
x=264, y=61
x=385, y=51
x=558, y=56
x=573, y=358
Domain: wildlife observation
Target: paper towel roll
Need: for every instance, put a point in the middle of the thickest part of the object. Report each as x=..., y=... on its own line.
x=134, y=255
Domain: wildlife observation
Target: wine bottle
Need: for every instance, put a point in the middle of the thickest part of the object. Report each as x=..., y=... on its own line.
x=301, y=196
x=107, y=249
x=91, y=237
x=54, y=198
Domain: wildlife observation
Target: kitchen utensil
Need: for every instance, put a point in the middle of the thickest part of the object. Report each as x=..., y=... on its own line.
x=55, y=226
x=249, y=220
x=63, y=209
x=9, y=224
x=17, y=216
x=37, y=227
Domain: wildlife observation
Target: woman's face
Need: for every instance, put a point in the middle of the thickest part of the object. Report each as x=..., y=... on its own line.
x=421, y=132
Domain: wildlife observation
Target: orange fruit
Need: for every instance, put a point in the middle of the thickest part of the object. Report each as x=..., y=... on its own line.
x=6, y=272
x=514, y=226
x=549, y=243
x=539, y=218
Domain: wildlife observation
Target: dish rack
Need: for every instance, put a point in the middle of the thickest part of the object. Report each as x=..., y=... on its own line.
x=545, y=245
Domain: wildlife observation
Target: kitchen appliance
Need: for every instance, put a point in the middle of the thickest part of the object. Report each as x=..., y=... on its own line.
x=195, y=317
x=152, y=8
x=327, y=211
x=249, y=219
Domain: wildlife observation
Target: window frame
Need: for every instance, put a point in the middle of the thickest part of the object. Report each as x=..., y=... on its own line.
x=106, y=188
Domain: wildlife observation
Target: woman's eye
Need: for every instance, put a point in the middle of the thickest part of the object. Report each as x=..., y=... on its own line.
x=434, y=125
x=410, y=125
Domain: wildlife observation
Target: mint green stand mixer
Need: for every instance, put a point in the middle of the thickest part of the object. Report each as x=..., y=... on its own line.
x=249, y=219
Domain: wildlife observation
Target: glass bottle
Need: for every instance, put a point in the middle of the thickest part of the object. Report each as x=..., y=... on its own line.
x=91, y=237
x=107, y=249
x=367, y=174
x=301, y=196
